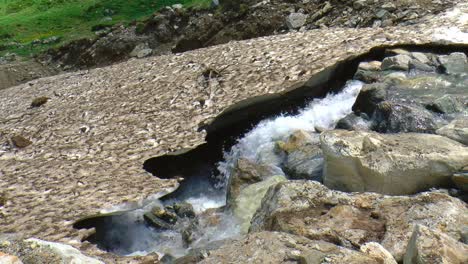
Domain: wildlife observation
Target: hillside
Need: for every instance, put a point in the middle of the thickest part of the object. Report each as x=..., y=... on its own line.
x=30, y=26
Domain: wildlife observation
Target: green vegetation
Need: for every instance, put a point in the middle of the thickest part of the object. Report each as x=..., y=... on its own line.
x=25, y=21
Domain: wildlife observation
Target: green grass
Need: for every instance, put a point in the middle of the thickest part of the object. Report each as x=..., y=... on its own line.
x=24, y=21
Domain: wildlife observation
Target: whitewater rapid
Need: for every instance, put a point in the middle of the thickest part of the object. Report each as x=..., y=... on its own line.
x=258, y=144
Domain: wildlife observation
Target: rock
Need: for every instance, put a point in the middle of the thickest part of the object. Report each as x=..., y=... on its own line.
x=184, y=209
x=416, y=65
x=353, y=122
x=392, y=117
x=309, y=209
x=359, y=4
x=420, y=57
x=303, y=156
x=369, y=97
x=9, y=259
x=164, y=214
x=296, y=20
x=276, y=247
x=368, y=76
x=15, y=248
x=447, y=104
x=357, y=161
x=245, y=173
x=141, y=51
x=461, y=179
x=370, y=66
x=20, y=141
x=455, y=63
x=250, y=198
x=376, y=250
x=156, y=222
x=456, y=130
x=429, y=246
x=39, y=101
x=398, y=62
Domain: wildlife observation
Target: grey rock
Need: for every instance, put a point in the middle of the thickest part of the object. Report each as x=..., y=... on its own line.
x=353, y=122
x=359, y=4
x=303, y=156
x=447, y=104
x=392, y=117
x=296, y=20
x=369, y=97
x=184, y=209
x=417, y=65
x=398, y=62
x=396, y=164
x=456, y=130
x=455, y=63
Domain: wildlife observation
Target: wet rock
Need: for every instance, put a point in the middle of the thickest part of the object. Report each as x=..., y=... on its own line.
x=20, y=141
x=309, y=209
x=151, y=219
x=370, y=66
x=419, y=66
x=398, y=62
x=245, y=173
x=296, y=20
x=184, y=209
x=447, y=104
x=398, y=117
x=456, y=130
x=368, y=76
x=250, y=198
x=431, y=246
x=354, y=122
x=369, y=97
x=358, y=161
x=455, y=63
x=277, y=247
x=303, y=156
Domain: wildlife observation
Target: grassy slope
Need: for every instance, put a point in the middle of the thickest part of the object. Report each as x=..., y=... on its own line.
x=26, y=20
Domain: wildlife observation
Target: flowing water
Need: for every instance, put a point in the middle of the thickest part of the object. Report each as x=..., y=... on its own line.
x=129, y=234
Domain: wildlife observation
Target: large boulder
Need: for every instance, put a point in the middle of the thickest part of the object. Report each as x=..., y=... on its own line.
x=369, y=97
x=358, y=161
x=303, y=156
x=446, y=104
x=454, y=63
x=309, y=209
x=276, y=247
x=398, y=62
x=429, y=246
x=456, y=130
x=250, y=198
x=395, y=117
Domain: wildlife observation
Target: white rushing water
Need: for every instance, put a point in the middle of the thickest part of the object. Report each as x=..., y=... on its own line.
x=258, y=144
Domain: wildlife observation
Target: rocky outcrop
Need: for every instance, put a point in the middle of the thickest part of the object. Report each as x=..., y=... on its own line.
x=456, y=130
x=309, y=209
x=276, y=247
x=389, y=164
x=430, y=247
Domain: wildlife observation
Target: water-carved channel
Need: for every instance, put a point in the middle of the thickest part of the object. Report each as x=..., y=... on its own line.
x=249, y=148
